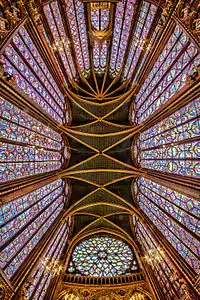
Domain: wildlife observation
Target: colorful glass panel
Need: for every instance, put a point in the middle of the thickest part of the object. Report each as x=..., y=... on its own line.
x=22, y=59
x=61, y=40
x=168, y=146
x=53, y=54
x=27, y=146
x=19, y=246
x=99, y=57
x=168, y=75
x=142, y=64
x=17, y=213
x=95, y=18
x=175, y=215
x=76, y=17
x=102, y=256
x=41, y=277
x=100, y=20
x=145, y=20
x=27, y=48
x=162, y=268
x=123, y=20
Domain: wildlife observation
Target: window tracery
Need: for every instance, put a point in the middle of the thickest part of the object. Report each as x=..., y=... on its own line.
x=123, y=20
x=168, y=75
x=175, y=215
x=163, y=269
x=102, y=256
x=61, y=42
x=169, y=146
x=76, y=18
x=99, y=57
x=43, y=273
x=27, y=146
x=144, y=23
x=21, y=59
x=100, y=20
x=32, y=215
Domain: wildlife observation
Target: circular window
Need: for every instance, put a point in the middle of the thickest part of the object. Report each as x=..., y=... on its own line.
x=102, y=256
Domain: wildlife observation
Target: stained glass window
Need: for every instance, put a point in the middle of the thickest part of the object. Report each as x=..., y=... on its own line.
x=53, y=54
x=76, y=17
x=169, y=146
x=175, y=215
x=19, y=212
x=99, y=57
x=168, y=75
x=161, y=266
x=22, y=59
x=100, y=18
x=61, y=41
x=123, y=20
x=146, y=17
x=152, y=42
x=102, y=256
x=27, y=146
x=24, y=225
x=44, y=270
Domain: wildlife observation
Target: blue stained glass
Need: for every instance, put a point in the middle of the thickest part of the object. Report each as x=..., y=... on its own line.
x=41, y=278
x=123, y=19
x=33, y=77
x=18, y=125
x=76, y=18
x=146, y=17
x=102, y=256
x=54, y=20
x=99, y=57
x=17, y=251
x=28, y=49
x=162, y=268
x=168, y=209
x=167, y=75
x=17, y=213
x=29, y=146
x=166, y=146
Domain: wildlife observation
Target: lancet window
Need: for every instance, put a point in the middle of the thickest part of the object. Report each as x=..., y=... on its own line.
x=123, y=20
x=28, y=147
x=144, y=23
x=174, y=214
x=22, y=59
x=25, y=221
x=169, y=74
x=155, y=256
x=49, y=264
x=99, y=57
x=61, y=43
x=100, y=19
x=172, y=144
x=77, y=23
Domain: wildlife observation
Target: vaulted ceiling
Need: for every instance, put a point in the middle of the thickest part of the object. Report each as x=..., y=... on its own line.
x=100, y=168
x=100, y=49
x=103, y=95
x=98, y=56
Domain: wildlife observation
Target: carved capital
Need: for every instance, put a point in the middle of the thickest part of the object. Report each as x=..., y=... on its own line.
x=33, y=10
x=6, y=291
x=13, y=14
x=188, y=12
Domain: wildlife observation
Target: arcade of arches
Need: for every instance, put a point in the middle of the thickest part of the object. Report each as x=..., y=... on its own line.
x=99, y=192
